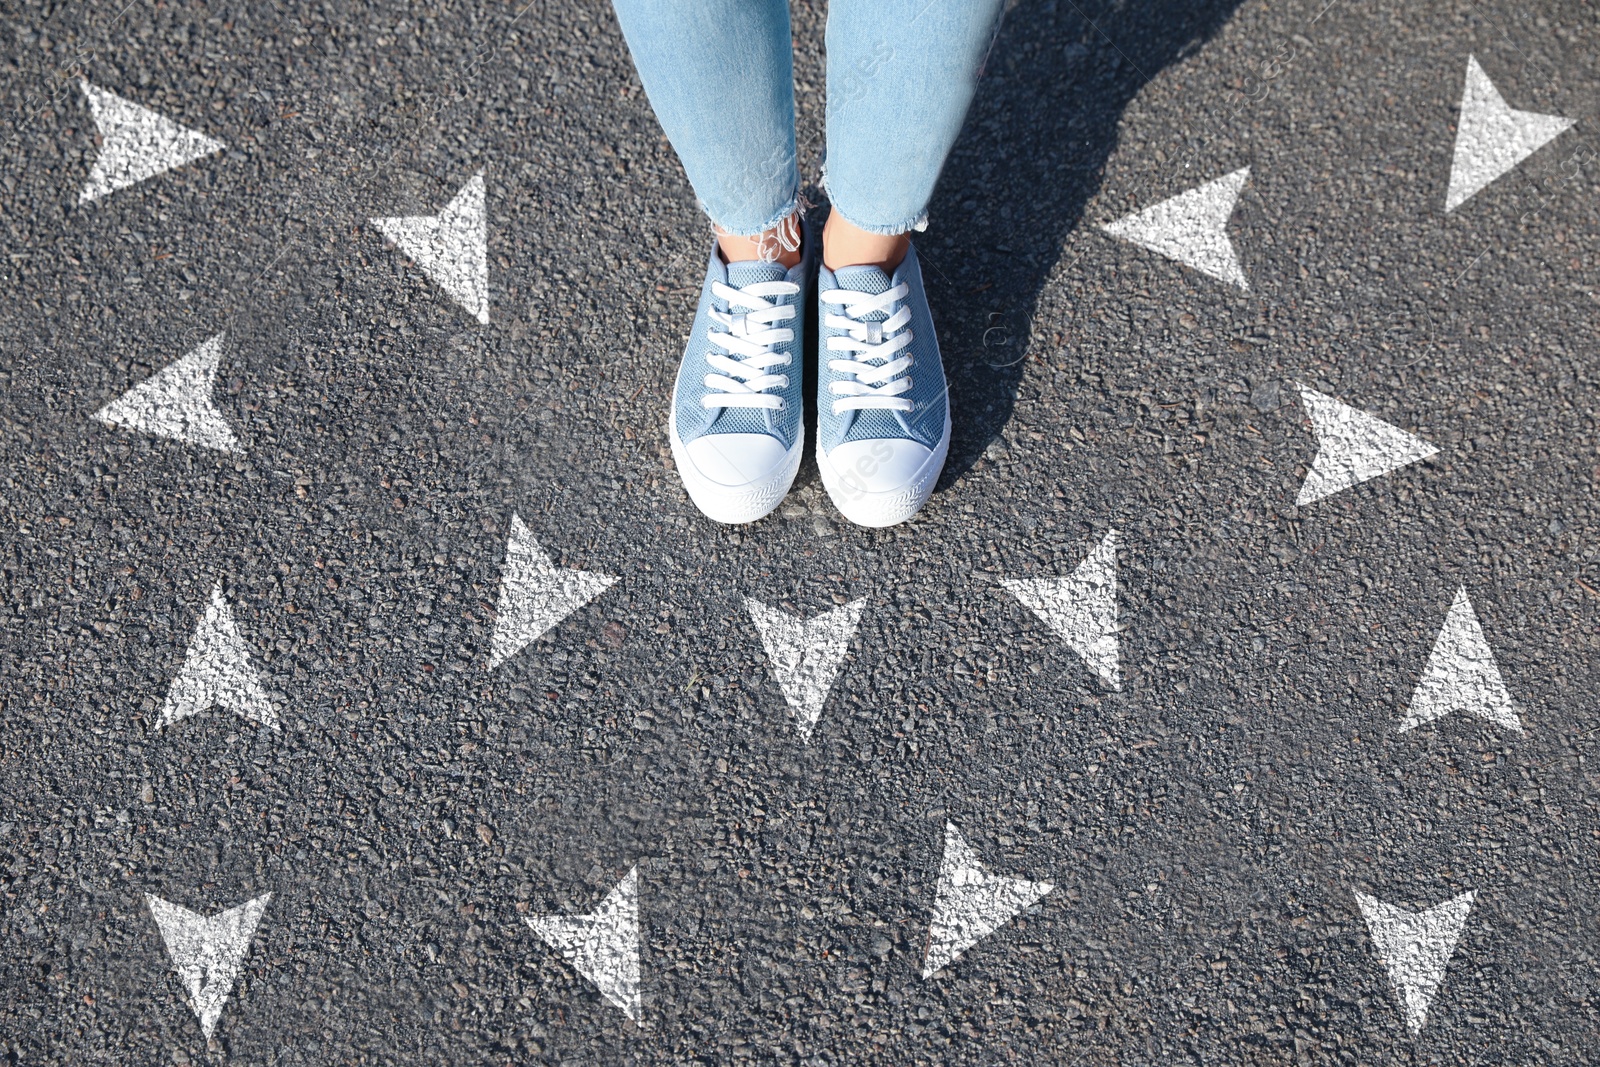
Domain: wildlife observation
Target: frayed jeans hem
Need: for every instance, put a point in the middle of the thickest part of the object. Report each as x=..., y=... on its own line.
x=796, y=205
x=917, y=222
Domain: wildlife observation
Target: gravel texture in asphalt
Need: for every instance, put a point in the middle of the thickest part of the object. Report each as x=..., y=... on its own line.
x=1231, y=702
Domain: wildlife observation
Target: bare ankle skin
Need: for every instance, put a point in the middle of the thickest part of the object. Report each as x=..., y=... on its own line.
x=846, y=245
x=781, y=244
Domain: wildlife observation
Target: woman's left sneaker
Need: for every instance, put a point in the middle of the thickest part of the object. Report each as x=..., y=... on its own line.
x=883, y=412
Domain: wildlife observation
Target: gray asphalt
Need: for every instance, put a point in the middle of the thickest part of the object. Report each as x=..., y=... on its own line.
x=1206, y=827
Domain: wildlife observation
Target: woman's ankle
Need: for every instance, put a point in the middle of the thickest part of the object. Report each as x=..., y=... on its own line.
x=846, y=245
x=780, y=244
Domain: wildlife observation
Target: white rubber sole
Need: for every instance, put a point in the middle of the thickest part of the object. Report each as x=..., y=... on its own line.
x=891, y=506
x=735, y=504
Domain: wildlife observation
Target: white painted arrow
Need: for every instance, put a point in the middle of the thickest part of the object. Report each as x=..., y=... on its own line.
x=805, y=655
x=136, y=143
x=1352, y=447
x=1492, y=137
x=603, y=946
x=451, y=247
x=207, y=953
x=216, y=672
x=1081, y=608
x=175, y=402
x=1191, y=228
x=1461, y=675
x=1415, y=947
x=970, y=903
x=535, y=594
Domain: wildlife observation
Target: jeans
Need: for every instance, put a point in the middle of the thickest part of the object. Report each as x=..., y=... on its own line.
x=720, y=76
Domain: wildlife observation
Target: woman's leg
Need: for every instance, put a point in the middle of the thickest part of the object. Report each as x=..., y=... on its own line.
x=720, y=76
x=901, y=75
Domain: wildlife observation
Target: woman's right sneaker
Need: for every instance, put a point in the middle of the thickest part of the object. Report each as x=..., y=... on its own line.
x=883, y=413
x=736, y=426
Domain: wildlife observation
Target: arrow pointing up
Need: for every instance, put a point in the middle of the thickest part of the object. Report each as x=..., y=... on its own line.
x=535, y=594
x=970, y=903
x=1352, y=447
x=216, y=672
x=207, y=953
x=1192, y=228
x=1415, y=947
x=136, y=143
x=805, y=655
x=451, y=247
x=603, y=946
x=1492, y=137
x=1461, y=675
x=1081, y=608
x=175, y=402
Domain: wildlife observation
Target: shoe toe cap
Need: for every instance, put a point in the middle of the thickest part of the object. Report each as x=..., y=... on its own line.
x=736, y=459
x=880, y=466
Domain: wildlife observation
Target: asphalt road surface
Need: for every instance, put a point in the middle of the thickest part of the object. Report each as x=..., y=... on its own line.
x=1232, y=702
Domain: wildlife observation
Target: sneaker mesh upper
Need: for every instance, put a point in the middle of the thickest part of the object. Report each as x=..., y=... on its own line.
x=926, y=422
x=692, y=417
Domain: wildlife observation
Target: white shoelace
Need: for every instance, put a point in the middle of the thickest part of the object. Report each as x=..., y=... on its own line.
x=876, y=384
x=748, y=336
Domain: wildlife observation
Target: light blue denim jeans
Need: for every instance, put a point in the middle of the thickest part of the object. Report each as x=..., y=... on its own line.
x=720, y=76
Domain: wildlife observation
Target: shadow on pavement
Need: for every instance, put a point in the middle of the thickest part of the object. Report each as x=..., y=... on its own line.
x=1031, y=155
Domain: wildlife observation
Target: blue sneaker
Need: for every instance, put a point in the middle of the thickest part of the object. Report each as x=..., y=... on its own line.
x=737, y=427
x=883, y=412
